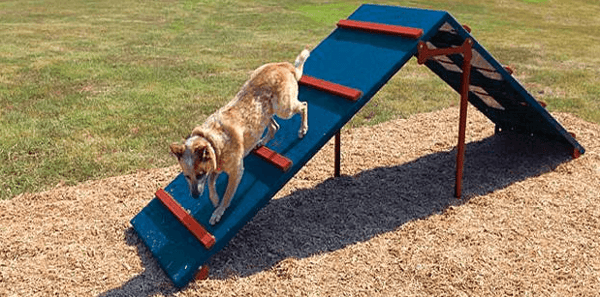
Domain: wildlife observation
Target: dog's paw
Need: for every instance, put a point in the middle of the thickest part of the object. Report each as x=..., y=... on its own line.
x=216, y=216
x=262, y=142
x=302, y=132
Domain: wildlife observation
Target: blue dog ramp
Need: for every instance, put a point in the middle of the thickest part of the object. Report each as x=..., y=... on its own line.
x=349, y=59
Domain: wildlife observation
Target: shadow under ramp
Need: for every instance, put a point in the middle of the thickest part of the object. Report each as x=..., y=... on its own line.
x=351, y=209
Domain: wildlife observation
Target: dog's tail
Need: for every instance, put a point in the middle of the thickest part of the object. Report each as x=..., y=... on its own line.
x=299, y=63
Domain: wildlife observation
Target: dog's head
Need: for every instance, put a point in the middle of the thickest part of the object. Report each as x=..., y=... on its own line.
x=197, y=159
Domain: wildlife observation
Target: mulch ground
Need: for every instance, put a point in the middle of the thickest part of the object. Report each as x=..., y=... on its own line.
x=528, y=223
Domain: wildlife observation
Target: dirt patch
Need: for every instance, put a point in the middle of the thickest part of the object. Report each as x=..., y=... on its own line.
x=528, y=223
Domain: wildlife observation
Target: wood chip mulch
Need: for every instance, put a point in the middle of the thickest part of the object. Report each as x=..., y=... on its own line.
x=528, y=223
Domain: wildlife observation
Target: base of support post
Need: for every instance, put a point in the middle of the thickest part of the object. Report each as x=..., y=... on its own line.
x=202, y=273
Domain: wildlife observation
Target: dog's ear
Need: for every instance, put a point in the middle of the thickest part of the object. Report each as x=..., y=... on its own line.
x=177, y=149
x=204, y=156
x=210, y=152
x=207, y=154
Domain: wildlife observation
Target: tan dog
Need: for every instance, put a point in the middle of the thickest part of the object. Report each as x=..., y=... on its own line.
x=233, y=131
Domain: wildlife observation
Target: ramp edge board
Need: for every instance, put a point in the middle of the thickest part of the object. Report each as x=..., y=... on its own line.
x=207, y=239
x=413, y=33
x=333, y=88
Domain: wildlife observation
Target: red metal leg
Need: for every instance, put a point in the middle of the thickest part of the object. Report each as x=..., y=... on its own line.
x=462, y=126
x=424, y=53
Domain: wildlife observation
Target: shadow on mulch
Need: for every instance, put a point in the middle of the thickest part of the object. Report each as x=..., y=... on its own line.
x=351, y=209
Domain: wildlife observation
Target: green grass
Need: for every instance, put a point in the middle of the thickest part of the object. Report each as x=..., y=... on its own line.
x=96, y=89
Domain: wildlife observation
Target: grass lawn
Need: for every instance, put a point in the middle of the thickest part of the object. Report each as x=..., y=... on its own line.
x=90, y=89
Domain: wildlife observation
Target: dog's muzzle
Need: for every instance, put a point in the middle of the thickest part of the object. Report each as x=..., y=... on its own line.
x=197, y=186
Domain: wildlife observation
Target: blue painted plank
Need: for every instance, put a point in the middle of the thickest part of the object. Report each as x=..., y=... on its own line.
x=354, y=59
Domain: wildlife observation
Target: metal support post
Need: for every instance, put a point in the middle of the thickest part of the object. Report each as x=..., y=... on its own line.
x=424, y=53
x=337, y=160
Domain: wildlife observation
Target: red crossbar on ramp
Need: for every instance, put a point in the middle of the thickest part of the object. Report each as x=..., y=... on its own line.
x=207, y=239
x=414, y=33
x=333, y=88
x=274, y=158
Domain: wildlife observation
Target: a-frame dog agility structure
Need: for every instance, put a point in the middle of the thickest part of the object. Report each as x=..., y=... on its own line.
x=342, y=74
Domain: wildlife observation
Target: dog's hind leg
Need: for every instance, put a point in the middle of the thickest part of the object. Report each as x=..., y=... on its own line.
x=272, y=129
x=234, y=180
x=289, y=105
x=297, y=107
x=302, y=108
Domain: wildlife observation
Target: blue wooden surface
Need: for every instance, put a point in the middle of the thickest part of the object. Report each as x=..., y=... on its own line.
x=355, y=59
x=352, y=58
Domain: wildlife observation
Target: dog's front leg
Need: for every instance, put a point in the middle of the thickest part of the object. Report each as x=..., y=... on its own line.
x=272, y=129
x=212, y=190
x=234, y=180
